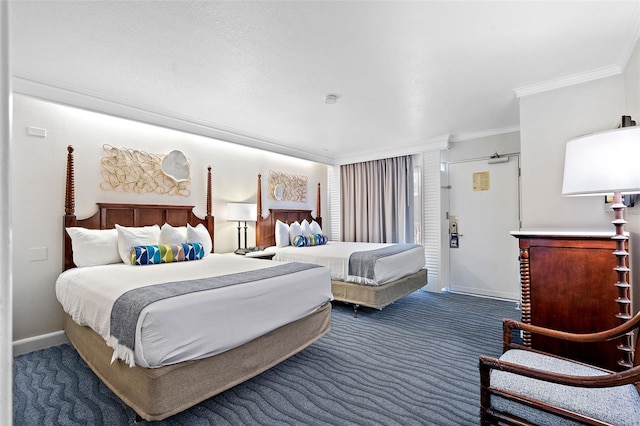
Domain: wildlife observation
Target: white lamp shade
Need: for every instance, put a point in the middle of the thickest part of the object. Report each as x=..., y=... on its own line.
x=242, y=212
x=603, y=163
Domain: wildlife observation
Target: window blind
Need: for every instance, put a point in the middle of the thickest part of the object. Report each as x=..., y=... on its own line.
x=333, y=176
x=431, y=211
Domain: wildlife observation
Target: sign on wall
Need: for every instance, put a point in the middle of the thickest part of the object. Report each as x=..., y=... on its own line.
x=481, y=181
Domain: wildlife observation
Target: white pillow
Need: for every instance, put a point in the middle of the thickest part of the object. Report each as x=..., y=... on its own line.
x=306, y=229
x=129, y=237
x=92, y=247
x=294, y=230
x=200, y=234
x=172, y=235
x=315, y=228
x=282, y=234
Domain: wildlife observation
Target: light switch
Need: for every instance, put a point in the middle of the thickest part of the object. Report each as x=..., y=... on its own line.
x=37, y=254
x=37, y=131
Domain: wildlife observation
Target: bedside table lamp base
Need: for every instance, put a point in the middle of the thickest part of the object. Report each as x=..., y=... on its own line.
x=242, y=212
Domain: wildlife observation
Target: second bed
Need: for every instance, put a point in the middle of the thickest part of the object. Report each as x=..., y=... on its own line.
x=396, y=270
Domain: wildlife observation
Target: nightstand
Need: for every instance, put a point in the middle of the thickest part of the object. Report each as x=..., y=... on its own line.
x=260, y=255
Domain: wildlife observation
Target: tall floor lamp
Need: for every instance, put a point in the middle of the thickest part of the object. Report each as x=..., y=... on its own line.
x=601, y=164
x=242, y=212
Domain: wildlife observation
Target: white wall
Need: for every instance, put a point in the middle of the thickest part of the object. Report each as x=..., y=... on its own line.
x=39, y=166
x=547, y=121
x=632, y=86
x=632, y=108
x=6, y=317
x=506, y=143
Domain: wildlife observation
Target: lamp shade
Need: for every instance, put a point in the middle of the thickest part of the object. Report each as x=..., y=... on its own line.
x=242, y=212
x=603, y=163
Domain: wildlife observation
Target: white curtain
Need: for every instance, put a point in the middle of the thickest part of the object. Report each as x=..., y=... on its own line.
x=377, y=201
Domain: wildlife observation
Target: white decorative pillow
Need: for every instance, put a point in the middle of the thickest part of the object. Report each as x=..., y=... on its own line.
x=172, y=235
x=294, y=230
x=306, y=228
x=315, y=228
x=282, y=234
x=129, y=237
x=200, y=234
x=92, y=247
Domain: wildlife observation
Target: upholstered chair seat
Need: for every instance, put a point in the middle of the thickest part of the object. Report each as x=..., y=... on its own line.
x=619, y=405
x=529, y=387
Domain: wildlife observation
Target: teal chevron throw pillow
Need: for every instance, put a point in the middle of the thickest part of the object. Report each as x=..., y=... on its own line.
x=310, y=240
x=166, y=253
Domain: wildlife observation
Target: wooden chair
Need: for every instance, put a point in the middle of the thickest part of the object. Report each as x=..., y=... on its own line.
x=528, y=387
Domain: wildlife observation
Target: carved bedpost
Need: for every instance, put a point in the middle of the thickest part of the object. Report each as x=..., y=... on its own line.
x=318, y=213
x=318, y=208
x=209, y=217
x=69, y=218
x=259, y=196
x=259, y=209
x=69, y=195
x=208, y=191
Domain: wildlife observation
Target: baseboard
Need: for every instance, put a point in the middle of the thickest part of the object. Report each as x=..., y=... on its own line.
x=42, y=341
x=486, y=296
x=472, y=291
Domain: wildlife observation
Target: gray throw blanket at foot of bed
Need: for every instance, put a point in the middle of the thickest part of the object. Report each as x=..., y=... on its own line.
x=127, y=308
x=363, y=263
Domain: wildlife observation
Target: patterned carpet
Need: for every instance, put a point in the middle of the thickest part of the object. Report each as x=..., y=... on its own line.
x=413, y=363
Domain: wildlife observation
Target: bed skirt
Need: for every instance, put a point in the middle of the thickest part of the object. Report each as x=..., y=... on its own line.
x=378, y=296
x=157, y=393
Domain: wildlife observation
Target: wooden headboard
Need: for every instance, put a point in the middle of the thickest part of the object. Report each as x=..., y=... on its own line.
x=110, y=214
x=265, y=226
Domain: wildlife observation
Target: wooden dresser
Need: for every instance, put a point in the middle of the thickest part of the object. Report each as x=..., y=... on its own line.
x=567, y=281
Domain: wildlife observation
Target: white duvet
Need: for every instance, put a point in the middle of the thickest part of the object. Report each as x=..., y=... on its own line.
x=195, y=325
x=335, y=255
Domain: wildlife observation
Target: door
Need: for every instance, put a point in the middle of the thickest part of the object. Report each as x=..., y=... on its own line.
x=484, y=208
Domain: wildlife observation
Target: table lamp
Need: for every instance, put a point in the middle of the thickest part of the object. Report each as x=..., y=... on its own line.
x=242, y=212
x=601, y=164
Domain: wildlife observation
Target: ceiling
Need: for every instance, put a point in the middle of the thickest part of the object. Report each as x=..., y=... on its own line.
x=406, y=74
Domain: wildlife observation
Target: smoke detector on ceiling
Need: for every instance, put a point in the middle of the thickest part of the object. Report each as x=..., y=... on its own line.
x=331, y=99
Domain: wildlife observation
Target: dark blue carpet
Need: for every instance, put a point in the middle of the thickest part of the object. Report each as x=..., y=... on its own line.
x=413, y=363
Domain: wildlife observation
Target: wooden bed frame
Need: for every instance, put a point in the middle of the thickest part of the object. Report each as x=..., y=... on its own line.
x=109, y=214
x=376, y=297
x=157, y=393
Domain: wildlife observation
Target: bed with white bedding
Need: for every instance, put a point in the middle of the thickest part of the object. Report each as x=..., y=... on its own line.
x=396, y=269
x=178, y=329
x=336, y=255
x=187, y=324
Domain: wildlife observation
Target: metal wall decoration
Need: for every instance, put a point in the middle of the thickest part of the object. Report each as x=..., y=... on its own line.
x=131, y=170
x=287, y=187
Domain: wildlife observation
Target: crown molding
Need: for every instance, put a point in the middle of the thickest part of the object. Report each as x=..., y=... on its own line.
x=437, y=143
x=633, y=38
x=583, y=77
x=485, y=133
x=569, y=80
x=127, y=109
